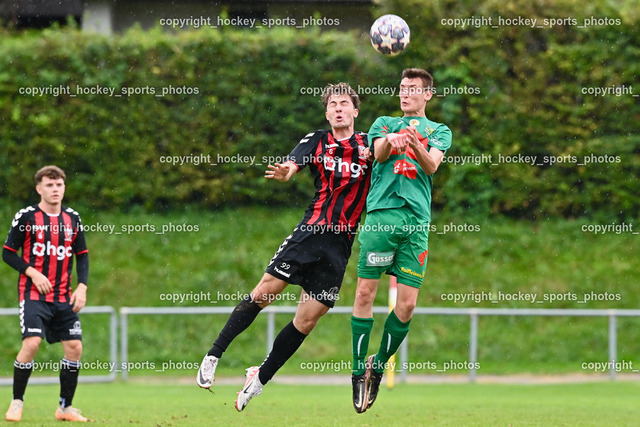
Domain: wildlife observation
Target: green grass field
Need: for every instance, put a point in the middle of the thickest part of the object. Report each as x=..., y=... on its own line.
x=230, y=249
x=167, y=404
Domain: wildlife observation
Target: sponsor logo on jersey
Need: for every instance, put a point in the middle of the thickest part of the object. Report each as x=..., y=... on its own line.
x=364, y=152
x=414, y=122
x=422, y=257
x=336, y=163
x=287, y=275
x=379, y=259
x=67, y=234
x=39, y=249
x=36, y=330
x=437, y=144
x=77, y=329
x=283, y=266
x=403, y=167
x=330, y=295
x=411, y=272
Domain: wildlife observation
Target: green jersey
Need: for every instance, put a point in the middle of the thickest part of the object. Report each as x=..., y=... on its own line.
x=400, y=181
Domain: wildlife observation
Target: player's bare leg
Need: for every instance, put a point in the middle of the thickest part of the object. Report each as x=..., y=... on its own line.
x=366, y=291
x=267, y=290
x=29, y=349
x=406, y=301
x=242, y=316
x=285, y=345
x=361, y=325
x=22, y=368
x=308, y=313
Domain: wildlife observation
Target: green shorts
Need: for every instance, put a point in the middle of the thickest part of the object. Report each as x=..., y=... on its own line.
x=394, y=241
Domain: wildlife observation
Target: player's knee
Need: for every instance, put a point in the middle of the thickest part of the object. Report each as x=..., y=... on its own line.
x=30, y=346
x=305, y=325
x=365, y=294
x=404, y=308
x=262, y=297
x=73, y=350
x=267, y=290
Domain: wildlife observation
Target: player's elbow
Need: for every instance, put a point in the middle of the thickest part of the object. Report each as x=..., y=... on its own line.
x=381, y=157
x=7, y=255
x=430, y=169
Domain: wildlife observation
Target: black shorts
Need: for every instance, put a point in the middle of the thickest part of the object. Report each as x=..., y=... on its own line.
x=54, y=321
x=314, y=260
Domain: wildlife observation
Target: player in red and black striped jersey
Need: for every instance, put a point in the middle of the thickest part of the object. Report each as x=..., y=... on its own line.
x=48, y=243
x=316, y=253
x=338, y=168
x=49, y=235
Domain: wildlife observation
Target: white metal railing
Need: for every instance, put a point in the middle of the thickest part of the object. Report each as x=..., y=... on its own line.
x=271, y=311
x=113, y=347
x=473, y=313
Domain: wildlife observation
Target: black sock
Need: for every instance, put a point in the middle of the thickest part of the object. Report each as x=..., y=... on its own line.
x=242, y=316
x=21, y=374
x=286, y=343
x=68, y=381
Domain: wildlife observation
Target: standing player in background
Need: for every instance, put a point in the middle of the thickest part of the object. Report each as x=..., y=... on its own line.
x=407, y=151
x=49, y=234
x=316, y=253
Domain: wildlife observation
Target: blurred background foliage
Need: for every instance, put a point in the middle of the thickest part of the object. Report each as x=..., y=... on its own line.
x=517, y=90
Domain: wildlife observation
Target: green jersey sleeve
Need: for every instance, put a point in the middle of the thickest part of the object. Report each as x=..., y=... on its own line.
x=379, y=129
x=440, y=138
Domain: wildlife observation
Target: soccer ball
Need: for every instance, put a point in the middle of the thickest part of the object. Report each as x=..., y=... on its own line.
x=389, y=35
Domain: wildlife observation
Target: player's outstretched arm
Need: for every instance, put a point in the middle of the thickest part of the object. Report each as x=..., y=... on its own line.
x=281, y=171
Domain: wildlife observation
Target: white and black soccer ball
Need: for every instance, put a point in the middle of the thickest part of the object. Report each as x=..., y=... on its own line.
x=390, y=35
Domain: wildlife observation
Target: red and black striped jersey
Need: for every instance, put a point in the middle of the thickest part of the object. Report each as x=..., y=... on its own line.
x=48, y=244
x=341, y=174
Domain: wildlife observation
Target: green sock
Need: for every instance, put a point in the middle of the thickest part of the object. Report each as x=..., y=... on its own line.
x=394, y=333
x=360, y=332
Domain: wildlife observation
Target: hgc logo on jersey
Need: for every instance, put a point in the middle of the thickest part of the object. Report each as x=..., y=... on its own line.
x=39, y=249
x=333, y=163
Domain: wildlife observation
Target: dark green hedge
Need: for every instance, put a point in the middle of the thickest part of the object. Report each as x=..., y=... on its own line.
x=244, y=99
x=525, y=99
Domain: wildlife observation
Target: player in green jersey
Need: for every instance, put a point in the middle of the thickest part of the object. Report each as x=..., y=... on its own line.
x=394, y=237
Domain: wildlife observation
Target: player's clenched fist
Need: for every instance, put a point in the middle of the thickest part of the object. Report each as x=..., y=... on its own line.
x=398, y=142
x=412, y=137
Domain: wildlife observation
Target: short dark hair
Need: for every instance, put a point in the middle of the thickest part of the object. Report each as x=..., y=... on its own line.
x=51, y=172
x=340, y=89
x=419, y=73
